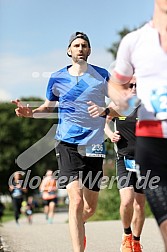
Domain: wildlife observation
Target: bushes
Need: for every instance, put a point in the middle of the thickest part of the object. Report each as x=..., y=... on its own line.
x=109, y=201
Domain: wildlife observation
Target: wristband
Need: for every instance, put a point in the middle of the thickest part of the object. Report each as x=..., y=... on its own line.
x=106, y=113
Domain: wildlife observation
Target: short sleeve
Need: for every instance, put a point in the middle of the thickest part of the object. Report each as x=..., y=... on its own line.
x=124, y=69
x=51, y=92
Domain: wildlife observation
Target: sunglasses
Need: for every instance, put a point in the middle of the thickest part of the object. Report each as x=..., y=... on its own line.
x=131, y=85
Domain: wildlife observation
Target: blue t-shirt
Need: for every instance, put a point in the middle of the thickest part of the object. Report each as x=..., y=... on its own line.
x=75, y=125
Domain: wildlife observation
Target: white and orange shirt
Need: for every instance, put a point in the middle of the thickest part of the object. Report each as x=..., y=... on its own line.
x=141, y=54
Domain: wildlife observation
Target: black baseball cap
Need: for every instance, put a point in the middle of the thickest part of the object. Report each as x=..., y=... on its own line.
x=78, y=35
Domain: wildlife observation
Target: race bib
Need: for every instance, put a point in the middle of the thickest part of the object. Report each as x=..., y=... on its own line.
x=29, y=212
x=159, y=103
x=17, y=193
x=130, y=164
x=95, y=150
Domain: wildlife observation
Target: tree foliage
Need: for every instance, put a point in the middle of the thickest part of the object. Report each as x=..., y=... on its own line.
x=16, y=136
x=114, y=47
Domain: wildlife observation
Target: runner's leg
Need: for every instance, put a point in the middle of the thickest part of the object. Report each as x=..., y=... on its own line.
x=76, y=222
x=138, y=215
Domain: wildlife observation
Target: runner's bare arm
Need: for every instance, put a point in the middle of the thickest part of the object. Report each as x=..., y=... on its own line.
x=113, y=135
x=40, y=112
x=118, y=93
x=125, y=101
x=95, y=110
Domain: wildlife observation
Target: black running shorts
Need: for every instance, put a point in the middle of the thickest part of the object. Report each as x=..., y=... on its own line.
x=47, y=202
x=151, y=158
x=151, y=155
x=73, y=166
x=126, y=178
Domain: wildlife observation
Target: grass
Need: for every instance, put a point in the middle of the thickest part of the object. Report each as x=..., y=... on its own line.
x=8, y=216
x=9, y=213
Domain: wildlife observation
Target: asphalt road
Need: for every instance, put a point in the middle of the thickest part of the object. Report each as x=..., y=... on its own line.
x=102, y=236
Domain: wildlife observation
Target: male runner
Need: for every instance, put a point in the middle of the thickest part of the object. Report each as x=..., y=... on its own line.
x=80, y=150
x=131, y=196
x=144, y=53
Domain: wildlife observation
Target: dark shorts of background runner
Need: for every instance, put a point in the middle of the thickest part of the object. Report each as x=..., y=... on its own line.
x=47, y=202
x=74, y=166
x=126, y=178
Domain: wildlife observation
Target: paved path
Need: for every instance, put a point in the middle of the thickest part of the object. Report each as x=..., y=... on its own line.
x=102, y=236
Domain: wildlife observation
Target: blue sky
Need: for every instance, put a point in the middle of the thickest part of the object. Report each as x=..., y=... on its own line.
x=34, y=36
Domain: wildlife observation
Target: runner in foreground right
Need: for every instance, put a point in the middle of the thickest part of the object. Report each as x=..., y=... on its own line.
x=144, y=53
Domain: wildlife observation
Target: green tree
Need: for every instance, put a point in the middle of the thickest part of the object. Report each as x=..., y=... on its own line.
x=114, y=47
x=17, y=135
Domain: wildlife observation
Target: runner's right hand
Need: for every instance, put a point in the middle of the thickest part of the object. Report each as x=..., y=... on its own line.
x=22, y=110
